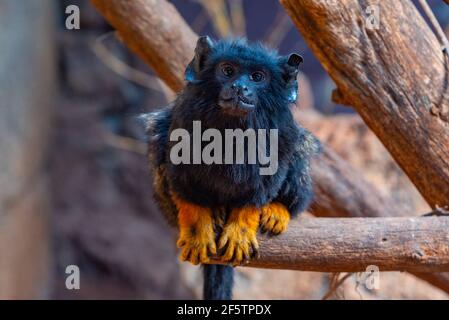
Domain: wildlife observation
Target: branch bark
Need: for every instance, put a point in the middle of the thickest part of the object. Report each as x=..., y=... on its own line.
x=156, y=33
x=340, y=190
x=352, y=244
x=397, y=80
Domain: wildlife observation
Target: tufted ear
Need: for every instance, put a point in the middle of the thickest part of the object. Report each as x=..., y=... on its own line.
x=204, y=47
x=291, y=69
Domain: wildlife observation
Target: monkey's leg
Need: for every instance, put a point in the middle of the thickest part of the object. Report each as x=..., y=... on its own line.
x=274, y=218
x=196, y=232
x=239, y=235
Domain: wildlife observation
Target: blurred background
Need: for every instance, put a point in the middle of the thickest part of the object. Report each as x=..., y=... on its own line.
x=74, y=182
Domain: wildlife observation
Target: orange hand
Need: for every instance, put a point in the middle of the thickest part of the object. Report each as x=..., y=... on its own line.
x=274, y=218
x=239, y=235
x=196, y=232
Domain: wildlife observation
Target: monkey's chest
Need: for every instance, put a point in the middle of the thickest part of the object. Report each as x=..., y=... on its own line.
x=224, y=185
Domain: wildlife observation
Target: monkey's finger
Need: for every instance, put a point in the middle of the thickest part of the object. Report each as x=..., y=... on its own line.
x=255, y=248
x=194, y=257
x=204, y=258
x=229, y=252
x=246, y=251
x=238, y=256
x=223, y=241
x=264, y=219
x=185, y=254
x=270, y=224
x=278, y=228
x=212, y=248
x=181, y=242
x=274, y=231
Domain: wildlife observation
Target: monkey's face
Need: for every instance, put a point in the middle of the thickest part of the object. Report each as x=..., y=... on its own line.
x=241, y=79
x=240, y=85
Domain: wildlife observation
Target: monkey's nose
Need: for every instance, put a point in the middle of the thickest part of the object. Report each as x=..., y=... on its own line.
x=239, y=88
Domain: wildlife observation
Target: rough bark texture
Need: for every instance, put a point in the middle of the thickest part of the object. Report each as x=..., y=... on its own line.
x=352, y=244
x=156, y=32
x=396, y=77
x=340, y=190
x=26, y=95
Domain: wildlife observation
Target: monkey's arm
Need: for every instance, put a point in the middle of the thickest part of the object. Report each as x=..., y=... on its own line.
x=195, y=223
x=296, y=191
x=157, y=127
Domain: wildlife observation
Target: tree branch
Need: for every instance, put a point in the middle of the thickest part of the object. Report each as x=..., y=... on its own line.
x=397, y=80
x=351, y=244
x=156, y=32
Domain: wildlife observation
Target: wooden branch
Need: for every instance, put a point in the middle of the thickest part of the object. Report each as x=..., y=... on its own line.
x=396, y=77
x=340, y=189
x=352, y=244
x=156, y=32
x=439, y=32
x=344, y=180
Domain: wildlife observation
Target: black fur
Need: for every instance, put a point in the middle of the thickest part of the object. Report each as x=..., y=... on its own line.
x=233, y=185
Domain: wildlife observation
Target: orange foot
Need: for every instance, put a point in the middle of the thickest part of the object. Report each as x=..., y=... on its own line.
x=196, y=232
x=274, y=218
x=238, y=239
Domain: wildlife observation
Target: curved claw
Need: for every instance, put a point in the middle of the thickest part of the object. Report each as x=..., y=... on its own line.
x=238, y=240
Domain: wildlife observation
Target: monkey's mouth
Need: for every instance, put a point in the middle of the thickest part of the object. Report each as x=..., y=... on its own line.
x=237, y=105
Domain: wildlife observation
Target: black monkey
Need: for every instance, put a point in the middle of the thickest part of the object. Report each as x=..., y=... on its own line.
x=219, y=207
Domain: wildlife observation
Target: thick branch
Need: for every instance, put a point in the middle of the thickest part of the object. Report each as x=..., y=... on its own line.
x=156, y=32
x=396, y=77
x=351, y=244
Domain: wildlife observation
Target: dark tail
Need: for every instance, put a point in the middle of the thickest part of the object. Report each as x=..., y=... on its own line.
x=218, y=282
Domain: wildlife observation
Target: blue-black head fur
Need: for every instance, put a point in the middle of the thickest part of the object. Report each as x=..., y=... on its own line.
x=204, y=86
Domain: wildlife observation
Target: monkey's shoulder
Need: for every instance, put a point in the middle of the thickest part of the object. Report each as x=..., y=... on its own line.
x=157, y=125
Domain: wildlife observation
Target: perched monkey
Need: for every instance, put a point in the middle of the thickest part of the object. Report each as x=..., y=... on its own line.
x=219, y=207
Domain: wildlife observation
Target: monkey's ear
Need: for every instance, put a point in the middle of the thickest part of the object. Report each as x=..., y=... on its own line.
x=204, y=47
x=291, y=69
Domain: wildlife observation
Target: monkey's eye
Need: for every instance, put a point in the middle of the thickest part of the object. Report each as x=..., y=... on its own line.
x=228, y=70
x=257, y=76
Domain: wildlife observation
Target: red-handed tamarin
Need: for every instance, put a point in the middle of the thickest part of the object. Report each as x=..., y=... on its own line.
x=219, y=205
